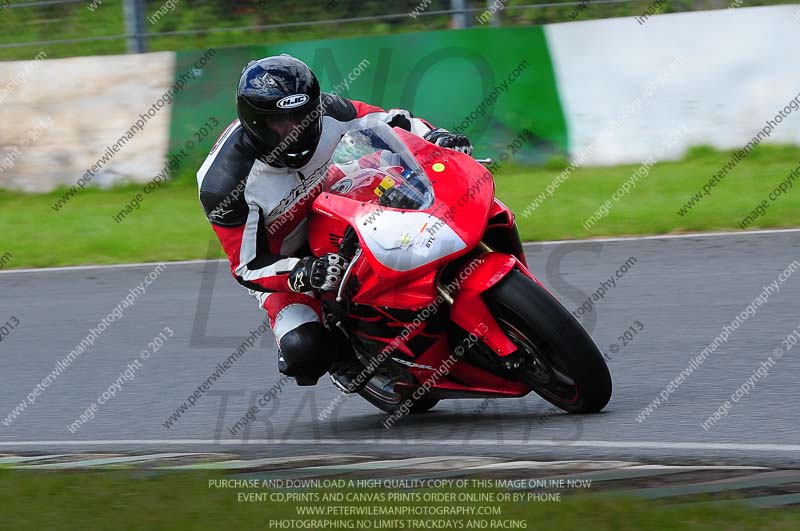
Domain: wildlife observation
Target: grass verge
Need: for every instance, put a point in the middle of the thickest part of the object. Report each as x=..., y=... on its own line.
x=170, y=224
x=651, y=207
x=124, y=500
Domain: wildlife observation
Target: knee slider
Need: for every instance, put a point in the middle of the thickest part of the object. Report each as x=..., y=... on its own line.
x=308, y=352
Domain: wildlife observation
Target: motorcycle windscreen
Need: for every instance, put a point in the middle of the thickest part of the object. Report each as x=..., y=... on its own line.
x=373, y=165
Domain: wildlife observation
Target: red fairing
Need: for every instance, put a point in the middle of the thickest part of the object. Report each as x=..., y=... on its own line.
x=481, y=382
x=501, y=217
x=464, y=194
x=415, y=292
x=464, y=201
x=470, y=312
x=466, y=212
x=501, y=211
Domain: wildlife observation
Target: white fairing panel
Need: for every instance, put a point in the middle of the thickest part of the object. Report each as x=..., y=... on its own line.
x=407, y=240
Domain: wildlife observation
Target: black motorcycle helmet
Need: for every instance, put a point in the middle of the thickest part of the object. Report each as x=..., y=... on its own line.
x=278, y=106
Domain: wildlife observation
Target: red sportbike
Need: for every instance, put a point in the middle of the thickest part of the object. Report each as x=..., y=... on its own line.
x=438, y=301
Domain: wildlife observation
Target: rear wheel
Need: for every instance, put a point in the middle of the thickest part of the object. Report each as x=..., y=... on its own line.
x=556, y=356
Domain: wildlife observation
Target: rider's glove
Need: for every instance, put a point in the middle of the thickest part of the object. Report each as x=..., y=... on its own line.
x=446, y=139
x=324, y=273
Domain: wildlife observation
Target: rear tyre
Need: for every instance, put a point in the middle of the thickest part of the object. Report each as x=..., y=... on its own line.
x=556, y=356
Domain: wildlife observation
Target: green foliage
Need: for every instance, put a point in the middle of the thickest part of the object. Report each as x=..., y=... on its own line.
x=77, y=21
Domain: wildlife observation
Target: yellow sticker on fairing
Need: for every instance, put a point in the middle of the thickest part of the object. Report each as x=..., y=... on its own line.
x=386, y=183
x=438, y=167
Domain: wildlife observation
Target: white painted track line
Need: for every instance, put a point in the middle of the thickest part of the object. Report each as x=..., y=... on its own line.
x=14, y=459
x=651, y=445
x=107, y=461
x=105, y=266
x=681, y=236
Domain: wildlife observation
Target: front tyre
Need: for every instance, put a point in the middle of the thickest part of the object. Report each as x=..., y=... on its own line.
x=555, y=356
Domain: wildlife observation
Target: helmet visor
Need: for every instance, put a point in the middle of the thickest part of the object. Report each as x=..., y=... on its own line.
x=287, y=136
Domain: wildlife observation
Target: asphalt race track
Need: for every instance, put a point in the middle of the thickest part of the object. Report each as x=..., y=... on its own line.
x=681, y=290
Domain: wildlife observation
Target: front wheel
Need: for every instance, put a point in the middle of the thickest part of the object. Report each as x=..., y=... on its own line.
x=555, y=355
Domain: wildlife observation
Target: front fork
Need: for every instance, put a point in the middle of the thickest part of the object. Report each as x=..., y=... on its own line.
x=467, y=308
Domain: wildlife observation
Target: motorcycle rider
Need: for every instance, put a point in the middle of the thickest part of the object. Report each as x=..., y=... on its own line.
x=257, y=186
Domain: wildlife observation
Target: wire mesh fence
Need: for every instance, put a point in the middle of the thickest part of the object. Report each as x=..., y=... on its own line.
x=86, y=27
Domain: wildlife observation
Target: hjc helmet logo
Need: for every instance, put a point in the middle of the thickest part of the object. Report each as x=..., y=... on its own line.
x=290, y=102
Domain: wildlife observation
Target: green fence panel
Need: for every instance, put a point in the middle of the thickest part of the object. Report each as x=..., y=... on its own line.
x=490, y=83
